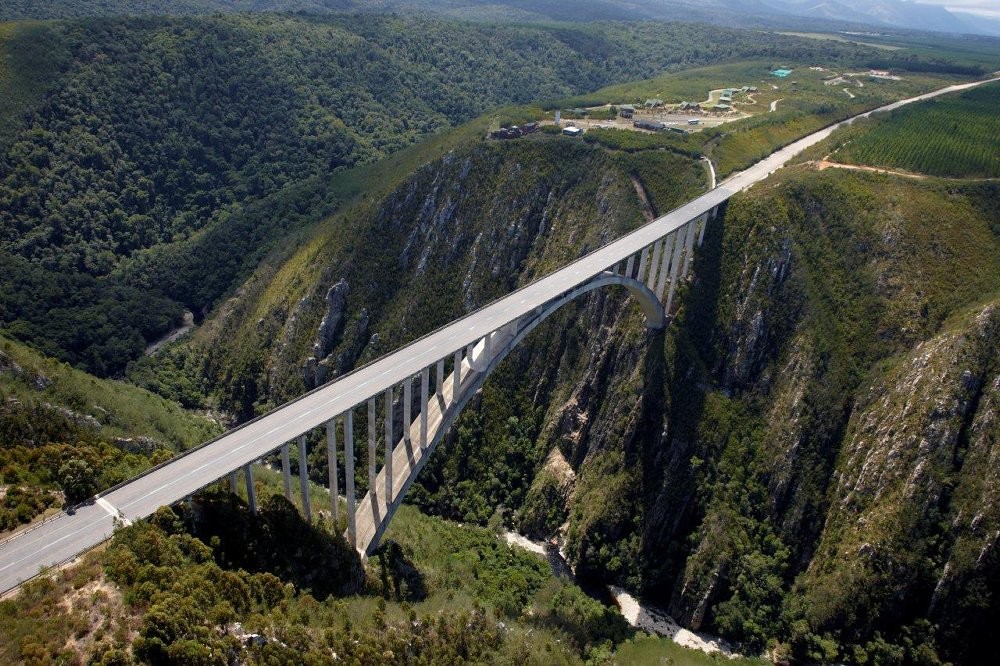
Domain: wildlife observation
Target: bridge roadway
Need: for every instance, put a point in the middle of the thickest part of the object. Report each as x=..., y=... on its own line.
x=60, y=539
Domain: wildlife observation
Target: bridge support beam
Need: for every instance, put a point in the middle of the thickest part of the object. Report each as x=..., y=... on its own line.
x=642, y=264
x=304, y=479
x=689, y=247
x=654, y=263
x=407, y=407
x=674, y=262
x=286, y=471
x=439, y=377
x=352, y=507
x=388, y=444
x=372, y=445
x=701, y=232
x=668, y=246
x=234, y=484
x=629, y=265
x=456, y=384
x=424, y=391
x=251, y=491
x=331, y=459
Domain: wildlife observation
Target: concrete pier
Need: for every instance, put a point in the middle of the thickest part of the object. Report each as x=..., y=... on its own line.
x=388, y=444
x=251, y=491
x=654, y=263
x=304, y=479
x=286, y=471
x=372, y=445
x=352, y=505
x=424, y=391
x=331, y=458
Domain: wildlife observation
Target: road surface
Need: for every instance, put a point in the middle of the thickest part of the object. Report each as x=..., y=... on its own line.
x=62, y=538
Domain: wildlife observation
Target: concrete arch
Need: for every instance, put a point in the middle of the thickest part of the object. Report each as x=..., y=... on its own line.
x=374, y=513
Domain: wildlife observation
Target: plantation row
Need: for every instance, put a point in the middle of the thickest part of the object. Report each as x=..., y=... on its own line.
x=956, y=136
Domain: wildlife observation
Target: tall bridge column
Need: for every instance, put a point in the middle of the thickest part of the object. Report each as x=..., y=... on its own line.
x=407, y=405
x=286, y=471
x=701, y=232
x=678, y=246
x=234, y=484
x=456, y=384
x=304, y=479
x=371, y=446
x=642, y=264
x=251, y=491
x=668, y=246
x=689, y=247
x=388, y=444
x=352, y=507
x=424, y=390
x=331, y=458
x=439, y=377
x=654, y=264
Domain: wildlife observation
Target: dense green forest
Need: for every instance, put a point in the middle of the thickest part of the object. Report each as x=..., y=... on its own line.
x=953, y=136
x=122, y=156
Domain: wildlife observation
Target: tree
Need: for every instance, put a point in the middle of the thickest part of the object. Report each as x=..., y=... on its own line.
x=78, y=480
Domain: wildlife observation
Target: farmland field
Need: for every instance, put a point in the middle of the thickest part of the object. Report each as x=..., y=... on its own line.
x=954, y=136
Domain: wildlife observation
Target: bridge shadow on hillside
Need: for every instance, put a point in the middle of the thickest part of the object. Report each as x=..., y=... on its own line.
x=278, y=541
x=678, y=367
x=396, y=574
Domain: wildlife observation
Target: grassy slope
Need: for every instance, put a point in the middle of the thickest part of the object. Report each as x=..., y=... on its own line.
x=122, y=409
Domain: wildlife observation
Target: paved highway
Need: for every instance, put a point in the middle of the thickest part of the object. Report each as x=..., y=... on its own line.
x=66, y=536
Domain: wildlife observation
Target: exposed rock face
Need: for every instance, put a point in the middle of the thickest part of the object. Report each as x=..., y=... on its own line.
x=336, y=299
x=919, y=464
x=34, y=379
x=315, y=371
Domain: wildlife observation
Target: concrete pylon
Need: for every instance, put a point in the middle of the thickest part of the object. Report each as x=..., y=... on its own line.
x=304, y=479
x=352, y=505
x=372, y=445
x=668, y=246
x=388, y=444
x=689, y=247
x=286, y=471
x=331, y=459
x=251, y=491
x=654, y=263
x=674, y=263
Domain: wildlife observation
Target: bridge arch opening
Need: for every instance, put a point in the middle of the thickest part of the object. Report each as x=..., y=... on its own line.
x=375, y=512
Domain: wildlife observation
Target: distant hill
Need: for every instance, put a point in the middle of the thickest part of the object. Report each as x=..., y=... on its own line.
x=802, y=14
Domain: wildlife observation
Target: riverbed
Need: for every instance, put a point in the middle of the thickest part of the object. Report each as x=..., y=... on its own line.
x=638, y=614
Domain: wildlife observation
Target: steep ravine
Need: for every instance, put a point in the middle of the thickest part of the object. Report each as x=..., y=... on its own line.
x=714, y=469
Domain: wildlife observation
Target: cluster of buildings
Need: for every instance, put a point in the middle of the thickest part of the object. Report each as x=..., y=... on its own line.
x=514, y=131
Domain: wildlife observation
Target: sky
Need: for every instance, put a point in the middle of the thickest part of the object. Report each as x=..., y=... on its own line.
x=988, y=8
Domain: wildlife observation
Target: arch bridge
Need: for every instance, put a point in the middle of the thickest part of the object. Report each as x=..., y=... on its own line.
x=650, y=262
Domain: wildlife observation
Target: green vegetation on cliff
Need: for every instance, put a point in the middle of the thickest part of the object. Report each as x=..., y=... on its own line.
x=64, y=430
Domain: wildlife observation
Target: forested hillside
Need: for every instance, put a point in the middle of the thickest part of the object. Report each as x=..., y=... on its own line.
x=219, y=134
x=63, y=431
